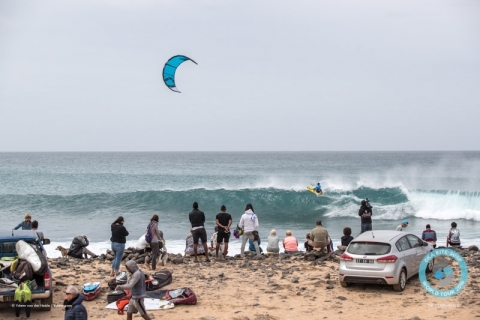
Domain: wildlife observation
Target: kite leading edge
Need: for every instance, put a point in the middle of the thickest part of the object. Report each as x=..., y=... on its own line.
x=170, y=68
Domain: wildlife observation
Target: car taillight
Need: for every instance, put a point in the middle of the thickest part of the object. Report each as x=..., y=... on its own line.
x=388, y=259
x=47, y=282
x=345, y=257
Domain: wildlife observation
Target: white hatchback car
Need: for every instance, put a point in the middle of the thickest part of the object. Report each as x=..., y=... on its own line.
x=383, y=257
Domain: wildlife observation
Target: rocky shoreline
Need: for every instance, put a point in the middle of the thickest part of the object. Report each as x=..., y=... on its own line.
x=282, y=286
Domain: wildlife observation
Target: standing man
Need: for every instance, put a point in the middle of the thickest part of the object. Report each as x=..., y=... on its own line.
x=26, y=224
x=430, y=236
x=136, y=284
x=197, y=219
x=319, y=237
x=223, y=221
x=365, y=214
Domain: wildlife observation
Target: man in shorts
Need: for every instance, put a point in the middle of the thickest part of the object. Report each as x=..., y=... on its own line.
x=197, y=219
x=136, y=284
x=223, y=221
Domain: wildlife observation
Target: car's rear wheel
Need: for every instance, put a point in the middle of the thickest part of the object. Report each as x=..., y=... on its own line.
x=47, y=303
x=344, y=284
x=430, y=266
x=402, y=281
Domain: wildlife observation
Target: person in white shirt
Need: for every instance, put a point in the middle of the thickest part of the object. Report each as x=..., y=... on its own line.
x=249, y=223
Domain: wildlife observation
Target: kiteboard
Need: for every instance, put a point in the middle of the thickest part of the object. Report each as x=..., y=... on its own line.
x=312, y=190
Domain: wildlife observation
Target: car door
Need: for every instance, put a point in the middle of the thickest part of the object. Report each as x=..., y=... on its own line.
x=405, y=251
x=417, y=247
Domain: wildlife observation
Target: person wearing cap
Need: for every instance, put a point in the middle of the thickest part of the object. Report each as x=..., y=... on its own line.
x=403, y=225
x=27, y=224
x=429, y=236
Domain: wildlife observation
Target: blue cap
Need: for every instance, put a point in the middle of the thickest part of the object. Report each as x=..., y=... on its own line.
x=404, y=222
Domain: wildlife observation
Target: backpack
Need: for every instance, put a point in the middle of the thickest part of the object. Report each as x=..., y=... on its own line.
x=181, y=296
x=149, y=235
x=160, y=279
x=23, y=271
x=121, y=278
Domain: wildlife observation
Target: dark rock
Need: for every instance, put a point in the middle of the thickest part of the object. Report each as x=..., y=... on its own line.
x=60, y=283
x=341, y=298
x=473, y=248
x=329, y=287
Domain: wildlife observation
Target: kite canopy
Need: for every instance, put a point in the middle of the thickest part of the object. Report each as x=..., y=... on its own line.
x=170, y=68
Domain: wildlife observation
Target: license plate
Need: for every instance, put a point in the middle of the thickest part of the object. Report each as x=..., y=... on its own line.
x=7, y=298
x=364, y=260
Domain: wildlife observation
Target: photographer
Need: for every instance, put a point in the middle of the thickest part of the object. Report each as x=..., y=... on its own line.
x=78, y=248
x=365, y=214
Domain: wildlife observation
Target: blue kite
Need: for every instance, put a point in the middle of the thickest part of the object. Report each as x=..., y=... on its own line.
x=170, y=68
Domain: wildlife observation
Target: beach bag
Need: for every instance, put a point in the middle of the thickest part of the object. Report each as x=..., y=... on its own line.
x=23, y=271
x=181, y=296
x=239, y=230
x=120, y=279
x=123, y=302
x=89, y=296
x=115, y=295
x=149, y=235
x=159, y=280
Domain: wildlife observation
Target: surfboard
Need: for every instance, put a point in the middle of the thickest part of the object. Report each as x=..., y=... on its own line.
x=312, y=190
x=150, y=304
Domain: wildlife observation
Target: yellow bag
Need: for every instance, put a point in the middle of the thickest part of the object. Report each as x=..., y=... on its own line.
x=23, y=293
x=13, y=266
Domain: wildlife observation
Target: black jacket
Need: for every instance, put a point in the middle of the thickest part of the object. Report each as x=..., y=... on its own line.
x=197, y=218
x=76, y=248
x=364, y=209
x=346, y=240
x=119, y=233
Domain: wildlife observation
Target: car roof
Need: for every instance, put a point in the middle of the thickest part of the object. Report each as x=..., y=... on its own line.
x=15, y=235
x=380, y=235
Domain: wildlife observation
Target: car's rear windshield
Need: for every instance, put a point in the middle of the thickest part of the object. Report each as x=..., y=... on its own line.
x=369, y=248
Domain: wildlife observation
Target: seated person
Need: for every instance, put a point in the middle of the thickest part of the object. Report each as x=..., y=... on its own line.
x=318, y=188
x=189, y=245
x=346, y=239
x=213, y=243
x=307, y=246
x=78, y=248
x=142, y=245
x=290, y=243
x=273, y=240
x=251, y=246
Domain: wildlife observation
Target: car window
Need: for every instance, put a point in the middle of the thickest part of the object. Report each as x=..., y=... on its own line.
x=369, y=248
x=402, y=244
x=414, y=241
x=8, y=247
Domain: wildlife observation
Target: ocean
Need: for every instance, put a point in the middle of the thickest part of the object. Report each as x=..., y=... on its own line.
x=72, y=194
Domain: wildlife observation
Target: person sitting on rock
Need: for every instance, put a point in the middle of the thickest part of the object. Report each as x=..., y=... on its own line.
x=290, y=243
x=273, y=241
x=78, y=248
x=213, y=242
x=320, y=239
x=189, y=245
x=251, y=245
x=308, y=247
x=346, y=239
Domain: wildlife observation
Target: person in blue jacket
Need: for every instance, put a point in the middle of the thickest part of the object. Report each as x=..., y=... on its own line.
x=318, y=188
x=74, y=309
x=27, y=224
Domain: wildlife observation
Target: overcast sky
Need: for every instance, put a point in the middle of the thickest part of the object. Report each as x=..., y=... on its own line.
x=271, y=75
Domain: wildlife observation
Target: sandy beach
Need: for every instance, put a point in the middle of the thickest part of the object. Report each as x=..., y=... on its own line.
x=281, y=287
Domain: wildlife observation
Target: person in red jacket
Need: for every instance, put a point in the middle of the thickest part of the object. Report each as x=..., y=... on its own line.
x=430, y=236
